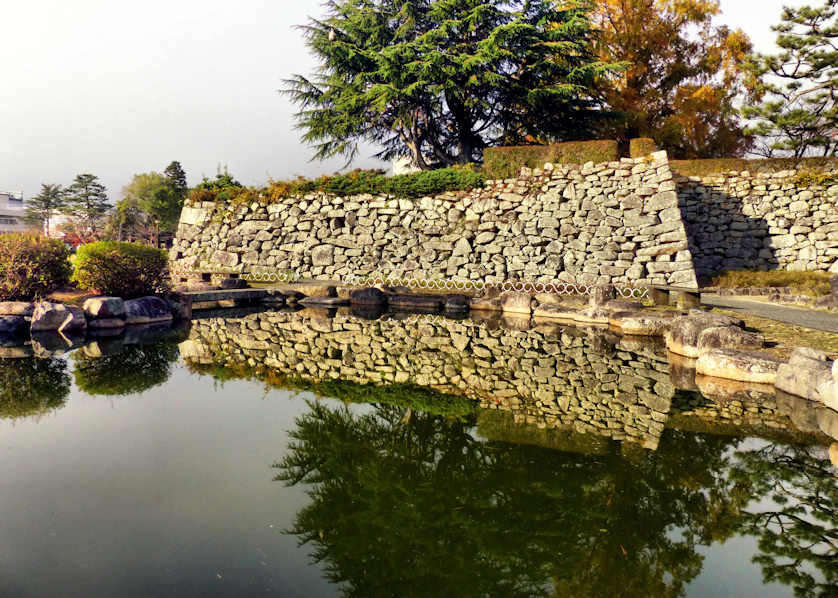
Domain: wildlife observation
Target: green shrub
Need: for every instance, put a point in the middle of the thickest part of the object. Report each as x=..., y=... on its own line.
x=121, y=269
x=375, y=182
x=642, y=147
x=32, y=266
x=506, y=162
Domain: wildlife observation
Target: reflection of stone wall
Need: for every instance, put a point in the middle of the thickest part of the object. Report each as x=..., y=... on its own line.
x=616, y=222
x=551, y=376
x=760, y=221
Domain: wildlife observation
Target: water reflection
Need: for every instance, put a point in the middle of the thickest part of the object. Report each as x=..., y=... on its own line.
x=31, y=387
x=414, y=501
x=586, y=381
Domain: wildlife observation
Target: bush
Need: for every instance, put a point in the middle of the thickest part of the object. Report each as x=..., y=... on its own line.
x=31, y=266
x=767, y=165
x=642, y=147
x=122, y=269
x=506, y=162
x=375, y=182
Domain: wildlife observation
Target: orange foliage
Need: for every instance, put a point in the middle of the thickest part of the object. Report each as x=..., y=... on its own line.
x=682, y=77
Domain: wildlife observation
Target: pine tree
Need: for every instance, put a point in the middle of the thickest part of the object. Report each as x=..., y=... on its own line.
x=795, y=92
x=87, y=202
x=176, y=178
x=41, y=208
x=440, y=80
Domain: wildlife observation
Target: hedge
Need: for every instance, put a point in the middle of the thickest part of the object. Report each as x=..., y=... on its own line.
x=124, y=270
x=32, y=266
x=506, y=162
x=764, y=165
x=642, y=147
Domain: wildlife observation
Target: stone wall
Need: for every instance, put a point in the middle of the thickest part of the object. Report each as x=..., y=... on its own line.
x=626, y=222
x=549, y=376
x=743, y=220
x=617, y=222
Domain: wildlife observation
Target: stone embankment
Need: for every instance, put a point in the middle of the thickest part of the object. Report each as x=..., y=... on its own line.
x=544, y=373
x=630, y=222
x=761, y=221
x=616, y=222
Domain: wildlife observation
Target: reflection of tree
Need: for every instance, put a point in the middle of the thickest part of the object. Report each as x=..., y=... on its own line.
x=798, y=528
x=136, y=368
x=412, y=504
x=31, y=386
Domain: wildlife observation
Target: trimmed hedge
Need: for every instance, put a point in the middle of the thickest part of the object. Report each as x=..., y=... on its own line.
x=766, y=165
x=506, y=162
x=32, y=266
x=642, y=147
x=124, y=270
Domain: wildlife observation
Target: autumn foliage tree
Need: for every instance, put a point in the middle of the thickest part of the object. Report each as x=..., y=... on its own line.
x=683, y=78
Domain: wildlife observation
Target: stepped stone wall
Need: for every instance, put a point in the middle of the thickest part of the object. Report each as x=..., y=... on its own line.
x=743, y=220
x=617, y=222
x=550, y=376
x=626, y=222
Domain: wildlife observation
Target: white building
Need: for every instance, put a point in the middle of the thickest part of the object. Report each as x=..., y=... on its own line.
x=12, y=210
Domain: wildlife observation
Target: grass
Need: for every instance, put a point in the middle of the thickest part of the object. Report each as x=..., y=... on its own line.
x=812, y=284
x=783, y=338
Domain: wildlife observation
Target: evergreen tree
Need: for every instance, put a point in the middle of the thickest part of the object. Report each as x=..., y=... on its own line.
x=41, y=208
x=795, y=92
x=440, y=80
x=87, y=201
x=176, y=178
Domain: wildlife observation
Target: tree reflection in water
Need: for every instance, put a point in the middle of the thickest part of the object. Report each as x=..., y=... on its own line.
x=31, y=386
x=798, y=528
x=133, y=369
x=405, y=503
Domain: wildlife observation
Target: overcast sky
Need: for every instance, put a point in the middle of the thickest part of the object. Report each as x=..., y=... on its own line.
x=116, y=88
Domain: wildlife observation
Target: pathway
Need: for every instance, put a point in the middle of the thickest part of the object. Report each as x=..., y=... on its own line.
x=797, y=316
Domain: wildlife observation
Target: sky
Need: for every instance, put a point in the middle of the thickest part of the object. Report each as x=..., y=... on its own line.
x=116, y=88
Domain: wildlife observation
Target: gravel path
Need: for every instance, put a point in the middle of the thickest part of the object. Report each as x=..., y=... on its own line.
x=797, y=316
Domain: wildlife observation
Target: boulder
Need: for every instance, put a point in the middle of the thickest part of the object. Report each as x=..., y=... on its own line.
x=602, y=294
x=147, y=310
x=516, y=303
x=103, y=323
x=618, y=305
x=309, y=289
x=17, y=308
x=554, y=311
x=57, y=317
x=729, y=337
x=593, y=315
x=640, y=324
x=324, y=301
x=457, y=303
x=371, y=296
x=104, y=307
x=738, y=365
x=548, y=298
x=488, y=303
x=828, y=422
x=416, y=302
x=806, y=372
x=684, y=332
x=723, y=389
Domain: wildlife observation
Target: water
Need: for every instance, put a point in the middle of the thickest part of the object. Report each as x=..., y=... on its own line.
x=455, y=460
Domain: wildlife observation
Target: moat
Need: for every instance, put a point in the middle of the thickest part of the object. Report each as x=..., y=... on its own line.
x=324, y=453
